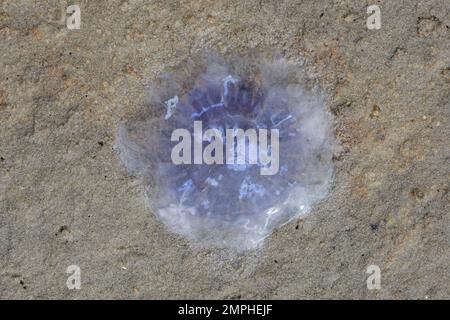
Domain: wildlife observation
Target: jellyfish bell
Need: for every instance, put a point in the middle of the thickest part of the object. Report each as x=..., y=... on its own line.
x=235, y=154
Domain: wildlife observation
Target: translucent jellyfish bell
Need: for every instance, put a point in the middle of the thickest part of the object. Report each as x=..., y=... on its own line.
x=231, y=203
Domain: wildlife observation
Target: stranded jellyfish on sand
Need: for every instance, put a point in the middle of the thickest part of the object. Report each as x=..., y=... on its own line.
x=231, y=150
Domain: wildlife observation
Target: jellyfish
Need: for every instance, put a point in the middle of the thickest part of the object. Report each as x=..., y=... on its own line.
x=232, y=151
